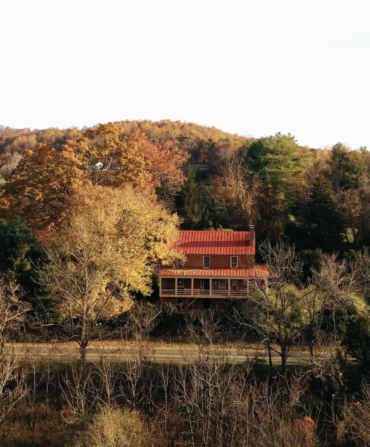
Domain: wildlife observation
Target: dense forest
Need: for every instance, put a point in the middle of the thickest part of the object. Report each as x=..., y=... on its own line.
x=85, y=213
x=316, y=198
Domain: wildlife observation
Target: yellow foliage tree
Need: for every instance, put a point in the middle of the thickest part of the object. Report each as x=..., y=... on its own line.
x=106, y=252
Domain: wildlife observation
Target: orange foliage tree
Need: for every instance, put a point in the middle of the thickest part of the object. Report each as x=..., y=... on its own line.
x=38, y=189
x=104, y=155
x=113, y=158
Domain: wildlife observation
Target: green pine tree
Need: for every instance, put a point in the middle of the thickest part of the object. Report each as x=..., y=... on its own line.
x=15, y=244
x=326, y=226
x=278, y=162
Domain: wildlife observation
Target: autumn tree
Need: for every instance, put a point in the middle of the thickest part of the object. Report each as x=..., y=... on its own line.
x=13, y=380
x=236, y=192
x=279, y=314
x=12, y=309
x=9, y=163
x=105, y=254
x=192, y=203
x=111, y=157
x=104, y=155
x=38, y=190
x=342, y=319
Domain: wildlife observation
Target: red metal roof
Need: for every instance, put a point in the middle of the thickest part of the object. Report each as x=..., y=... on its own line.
x=216, y=243
x=257, y=272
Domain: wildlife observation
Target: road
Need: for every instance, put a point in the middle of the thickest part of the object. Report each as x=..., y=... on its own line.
x=153, y=352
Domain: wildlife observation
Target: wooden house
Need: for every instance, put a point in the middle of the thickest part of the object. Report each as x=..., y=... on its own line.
x=219, y=266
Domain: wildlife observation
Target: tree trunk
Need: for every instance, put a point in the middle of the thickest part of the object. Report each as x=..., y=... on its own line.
x=83, y=347
x=270, y=356
x=84, y=341
x=311, y=350
x=284, y=356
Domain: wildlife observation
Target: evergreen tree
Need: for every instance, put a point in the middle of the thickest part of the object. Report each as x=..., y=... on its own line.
x=325, y=222
x=344, y=167
x=279, y=163
x=15, y=244
x=319, y=223
x=277, y=160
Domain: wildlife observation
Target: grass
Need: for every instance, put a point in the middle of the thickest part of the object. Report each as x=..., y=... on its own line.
x=2, y=181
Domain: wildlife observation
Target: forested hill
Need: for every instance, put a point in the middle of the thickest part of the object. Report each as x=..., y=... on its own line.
x=317, y=198
x=202, y=142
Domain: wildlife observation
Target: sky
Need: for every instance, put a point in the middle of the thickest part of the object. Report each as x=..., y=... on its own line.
x=252, y=67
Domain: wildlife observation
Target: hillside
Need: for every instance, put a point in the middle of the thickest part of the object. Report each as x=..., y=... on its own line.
x=205, y=144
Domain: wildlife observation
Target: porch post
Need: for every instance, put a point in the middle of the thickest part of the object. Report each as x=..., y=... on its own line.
x=247, y=287
x=210, y=286
x=176, y=286
x=187, y=303
x=228, y=287
x=192, y=286
x=160, y=285
x=160, y=302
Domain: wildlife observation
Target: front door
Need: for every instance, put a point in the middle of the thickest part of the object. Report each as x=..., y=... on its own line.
x=206, y=284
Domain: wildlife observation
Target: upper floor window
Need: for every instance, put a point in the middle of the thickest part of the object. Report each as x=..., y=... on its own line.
x=234, y=262
x=180, y=263
x=206, y=262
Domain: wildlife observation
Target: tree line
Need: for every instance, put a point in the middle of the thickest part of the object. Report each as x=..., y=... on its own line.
x=316, y=198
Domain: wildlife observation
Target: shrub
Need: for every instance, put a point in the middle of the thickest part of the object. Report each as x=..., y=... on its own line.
x=114, y=427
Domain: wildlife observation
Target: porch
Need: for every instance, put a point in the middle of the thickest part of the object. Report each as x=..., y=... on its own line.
x=209, y=287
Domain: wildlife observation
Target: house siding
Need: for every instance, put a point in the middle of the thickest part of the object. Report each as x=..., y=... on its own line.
x=217, y=262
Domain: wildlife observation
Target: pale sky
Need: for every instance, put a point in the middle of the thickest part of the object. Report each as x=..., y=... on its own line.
x=254, y=67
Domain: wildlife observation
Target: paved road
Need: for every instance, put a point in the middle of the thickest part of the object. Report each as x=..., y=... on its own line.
x=156, y=353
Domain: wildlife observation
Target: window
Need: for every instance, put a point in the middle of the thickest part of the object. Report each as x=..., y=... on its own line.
x=180, y=283
x=180, y=263
x=234, y=262
x=206, y=262
x=222, y=284
x=234, y=283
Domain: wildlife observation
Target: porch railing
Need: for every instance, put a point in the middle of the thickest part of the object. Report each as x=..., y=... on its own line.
x=205, y=292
